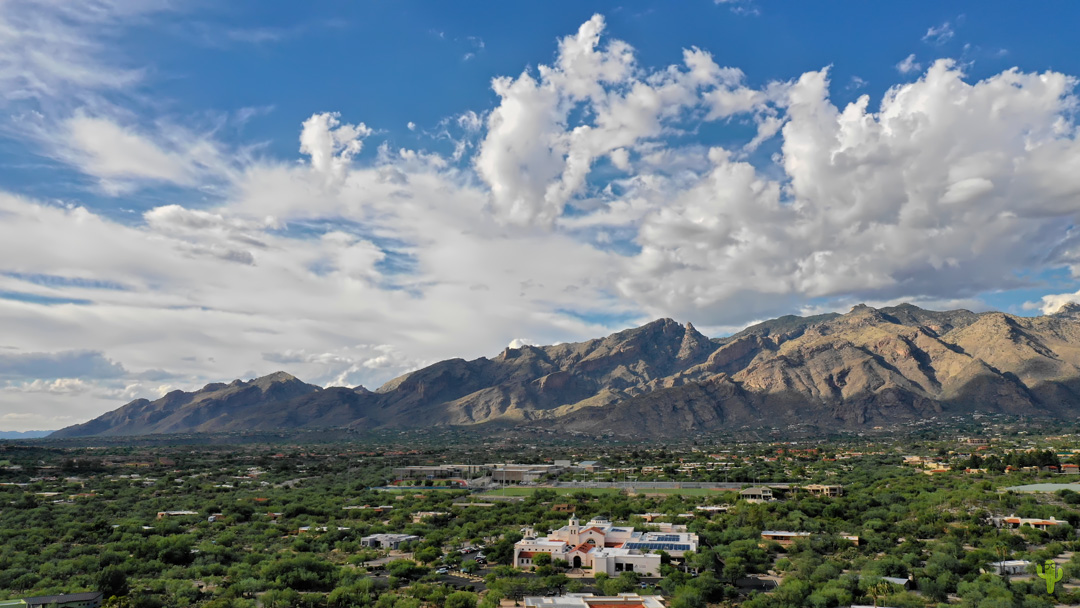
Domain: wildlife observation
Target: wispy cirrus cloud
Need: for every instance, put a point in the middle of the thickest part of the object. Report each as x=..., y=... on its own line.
x=908, y=65
x=55, y=50
x=939, y=34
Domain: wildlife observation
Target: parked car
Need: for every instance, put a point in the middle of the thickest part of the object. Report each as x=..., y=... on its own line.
x=441, y=571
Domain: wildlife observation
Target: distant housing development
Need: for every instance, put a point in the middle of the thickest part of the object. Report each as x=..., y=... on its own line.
x=72, y=600
x=603, y=547
x=588, y=600
x=504, y=473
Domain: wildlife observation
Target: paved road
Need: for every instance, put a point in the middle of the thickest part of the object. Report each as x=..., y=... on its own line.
x=461, y=581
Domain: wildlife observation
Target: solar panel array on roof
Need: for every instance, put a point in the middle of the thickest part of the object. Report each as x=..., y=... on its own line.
x=657, y=546
x=665, y=538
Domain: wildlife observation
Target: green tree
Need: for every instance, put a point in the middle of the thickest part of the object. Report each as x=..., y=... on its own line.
x=112, y=582
x=461, y=599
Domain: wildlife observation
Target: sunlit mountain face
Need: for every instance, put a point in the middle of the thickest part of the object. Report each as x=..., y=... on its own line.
x=192, y=194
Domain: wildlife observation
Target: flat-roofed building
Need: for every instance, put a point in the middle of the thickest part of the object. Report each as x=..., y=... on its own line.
x=588, y=600
x=164, y=514
x=522, y=473
x=388, y=541
x=441, y=471
x=615, y=560
x=589, y=466
x=783, y=537
x=90, y=599
x=1010, y=567
x=668, y=527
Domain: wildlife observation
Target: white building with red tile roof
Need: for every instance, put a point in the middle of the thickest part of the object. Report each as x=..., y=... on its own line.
x=605, y=547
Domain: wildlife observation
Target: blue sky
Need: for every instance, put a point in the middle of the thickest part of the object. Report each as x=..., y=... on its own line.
x=195, y=191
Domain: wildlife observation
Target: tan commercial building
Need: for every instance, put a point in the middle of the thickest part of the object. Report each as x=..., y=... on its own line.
x=522, y=473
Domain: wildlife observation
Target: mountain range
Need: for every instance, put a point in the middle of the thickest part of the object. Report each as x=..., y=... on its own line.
x=867, y=367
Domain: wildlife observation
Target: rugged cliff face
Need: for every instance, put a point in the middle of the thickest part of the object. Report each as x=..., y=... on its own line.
x=867, y=367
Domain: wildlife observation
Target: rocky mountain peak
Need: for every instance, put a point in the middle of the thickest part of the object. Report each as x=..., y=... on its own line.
x=694, y=344
x=890, y=365
x=1070, y=309
x=276, y=378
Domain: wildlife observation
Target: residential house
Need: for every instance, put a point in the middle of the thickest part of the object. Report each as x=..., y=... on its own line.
x=783, y=537
x=761, y=494
x=818, y=489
